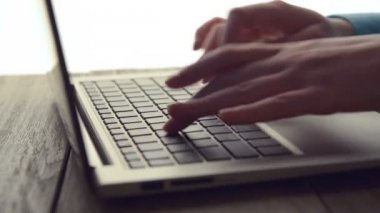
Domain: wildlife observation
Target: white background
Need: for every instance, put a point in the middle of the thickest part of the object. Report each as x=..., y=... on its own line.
x=105, y=34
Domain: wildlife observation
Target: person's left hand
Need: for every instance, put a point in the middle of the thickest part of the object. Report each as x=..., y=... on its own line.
x=262, y=82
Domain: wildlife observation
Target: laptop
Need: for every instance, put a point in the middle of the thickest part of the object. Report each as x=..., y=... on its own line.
x=114, y=125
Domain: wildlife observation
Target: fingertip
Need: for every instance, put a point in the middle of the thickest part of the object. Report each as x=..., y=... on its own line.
x=170, y=127
x=197, y=45
x=228, y=116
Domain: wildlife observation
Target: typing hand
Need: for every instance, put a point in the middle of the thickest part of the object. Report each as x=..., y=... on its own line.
x=275, y=21
x=274, y=81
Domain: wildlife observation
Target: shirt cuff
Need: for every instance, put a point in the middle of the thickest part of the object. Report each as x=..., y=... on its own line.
x=363, y=24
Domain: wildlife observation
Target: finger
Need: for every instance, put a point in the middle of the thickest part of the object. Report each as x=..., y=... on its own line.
x=245, y=73
x=214, y=38
x=285, y=105
x=221, y=60
x=275, y=15
x=202, y=32
x=311, y=32
x=184, y=114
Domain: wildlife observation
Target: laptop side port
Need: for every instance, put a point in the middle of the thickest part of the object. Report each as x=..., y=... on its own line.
x=152, y=186
x=192, y=182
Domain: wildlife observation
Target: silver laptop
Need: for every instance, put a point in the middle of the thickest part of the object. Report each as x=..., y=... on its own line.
x=114, y=125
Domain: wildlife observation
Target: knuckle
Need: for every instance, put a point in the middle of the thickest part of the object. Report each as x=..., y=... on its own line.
x=278, y=3
x=228, y=51
x=243, y=89
x=236, y=12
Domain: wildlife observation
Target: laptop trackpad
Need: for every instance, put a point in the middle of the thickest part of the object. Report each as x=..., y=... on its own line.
x=343, y=133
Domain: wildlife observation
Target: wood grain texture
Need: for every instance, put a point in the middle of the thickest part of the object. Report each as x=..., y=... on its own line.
x=32, y=144
x=284, y=196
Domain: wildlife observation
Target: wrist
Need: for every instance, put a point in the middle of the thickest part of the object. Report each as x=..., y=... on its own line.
x=339, y=27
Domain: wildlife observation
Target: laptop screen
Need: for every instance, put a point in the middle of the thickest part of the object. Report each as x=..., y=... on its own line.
x=58, y=78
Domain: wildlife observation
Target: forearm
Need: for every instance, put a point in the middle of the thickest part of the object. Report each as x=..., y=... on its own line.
x=356, y=24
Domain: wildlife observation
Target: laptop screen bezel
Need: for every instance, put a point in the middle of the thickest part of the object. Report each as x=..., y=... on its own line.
x=68, y=88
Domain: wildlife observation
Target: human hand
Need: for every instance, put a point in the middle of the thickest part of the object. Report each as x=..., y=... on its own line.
x=274, y=81
x=275, y=21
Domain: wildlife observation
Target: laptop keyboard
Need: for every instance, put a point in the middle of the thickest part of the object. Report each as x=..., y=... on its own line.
x=135, y=110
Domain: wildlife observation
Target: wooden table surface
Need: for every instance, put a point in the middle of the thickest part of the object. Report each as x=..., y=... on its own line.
x=39, y=173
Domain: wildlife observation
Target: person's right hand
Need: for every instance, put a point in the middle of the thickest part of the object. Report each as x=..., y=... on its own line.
x=275, y=21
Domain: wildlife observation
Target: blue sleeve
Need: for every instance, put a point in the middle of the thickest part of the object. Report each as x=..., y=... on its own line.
x=364, y=23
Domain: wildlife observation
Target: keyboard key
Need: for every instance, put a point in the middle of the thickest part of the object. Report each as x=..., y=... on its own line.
x=112, y=94
x=173, y=140
x=144, y=81
x=204, y=143
x=119, y=98
x=123, y=143
x=158, y=96
x=137, y=125
x=138, y=99
x=187, y=157
x=113, y=126
x=116, y=131
x=245, y=128
x=105, y=116
x=150, y=87
x=124, y=82
x=138, y=132
x=96, y=98
x=136, y=164
x=226, y=137
x=126, y=114
x=151, y=114
x=104, y=111
x=110, y=121
x=149, y=146
x=101, y=106
x=181, y=97
x=178, y=147
x=130, y=120
x=134, y=95
x=209, y=123
x=197, y=135
x=120, y=137
x=132, y=156
x=214, y=153
x=163, y=101
x=153, y=92
x=126, y=150
x=218, y=129
x=253, y=135
x=156, y=120
x=118, y=103
x=193, y=128
x=122, y=109
x=99, y=102
x=161, y=162
x=155, y=154
x=163, y=106
x=273, y=150
x=263, y=142
x=240, y=150
x=147, y=109
x=109, y=89
x=161, y=133
x=157, y=126
x=144, y=139
x=177, y=92
x=142, y=104
x=131, y=90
